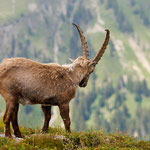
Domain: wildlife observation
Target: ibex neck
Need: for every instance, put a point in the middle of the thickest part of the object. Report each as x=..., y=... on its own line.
x=76, y=73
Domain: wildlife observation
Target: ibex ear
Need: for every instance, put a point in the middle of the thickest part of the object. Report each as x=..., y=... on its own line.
x=72, y=60
x=92, y=64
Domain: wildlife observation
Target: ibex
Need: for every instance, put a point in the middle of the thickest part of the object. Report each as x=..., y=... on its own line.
x=28, y=82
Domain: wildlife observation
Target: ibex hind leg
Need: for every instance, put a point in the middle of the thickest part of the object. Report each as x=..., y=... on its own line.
x=7, y=122
x=14, y=121
x=10, y=107
x=47, y=117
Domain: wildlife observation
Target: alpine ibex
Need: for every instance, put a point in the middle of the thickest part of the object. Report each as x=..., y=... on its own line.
x=27, y=82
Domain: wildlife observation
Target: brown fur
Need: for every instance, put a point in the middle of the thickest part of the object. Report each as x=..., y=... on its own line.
x=28, y=82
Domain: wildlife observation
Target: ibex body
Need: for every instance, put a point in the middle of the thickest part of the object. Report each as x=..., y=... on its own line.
x=27, y=82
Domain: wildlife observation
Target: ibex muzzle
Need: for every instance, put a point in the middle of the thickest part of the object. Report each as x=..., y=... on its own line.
x=27, y=82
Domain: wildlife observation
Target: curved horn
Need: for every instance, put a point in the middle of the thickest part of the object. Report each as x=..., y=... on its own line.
x=83, y=41
x=103, y=48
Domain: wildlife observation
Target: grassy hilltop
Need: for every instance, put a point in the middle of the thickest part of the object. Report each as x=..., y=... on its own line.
x=57, y=138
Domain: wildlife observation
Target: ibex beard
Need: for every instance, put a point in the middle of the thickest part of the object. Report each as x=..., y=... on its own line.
x=23, y=81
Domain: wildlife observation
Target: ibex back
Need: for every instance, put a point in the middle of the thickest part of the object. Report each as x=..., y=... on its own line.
x=27, y=82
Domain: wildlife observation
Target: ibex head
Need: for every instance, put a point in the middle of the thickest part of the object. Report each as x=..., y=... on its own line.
x=84, y=60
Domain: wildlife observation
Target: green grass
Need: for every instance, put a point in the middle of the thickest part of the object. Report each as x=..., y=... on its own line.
x=57, y=138
x=131, y=104
x=146, y=102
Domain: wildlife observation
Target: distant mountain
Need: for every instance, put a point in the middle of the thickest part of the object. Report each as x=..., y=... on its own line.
x=118, y=92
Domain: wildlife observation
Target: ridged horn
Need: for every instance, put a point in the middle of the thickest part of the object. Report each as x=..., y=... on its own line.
x=103, y=48
x=83, y=41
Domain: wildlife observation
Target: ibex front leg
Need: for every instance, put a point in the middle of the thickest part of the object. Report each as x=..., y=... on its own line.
x=64, y=112
x=47, y=117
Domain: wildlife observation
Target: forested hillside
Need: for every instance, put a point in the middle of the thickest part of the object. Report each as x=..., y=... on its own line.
x=118, y=92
